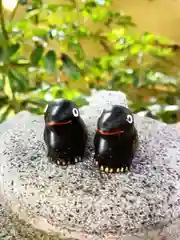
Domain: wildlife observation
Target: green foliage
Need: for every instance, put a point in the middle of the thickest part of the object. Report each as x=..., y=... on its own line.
x=46, y=45
x=50, y=61
x=36, y=55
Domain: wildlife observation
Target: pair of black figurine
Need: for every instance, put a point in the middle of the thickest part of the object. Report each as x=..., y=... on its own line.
x=65, y=135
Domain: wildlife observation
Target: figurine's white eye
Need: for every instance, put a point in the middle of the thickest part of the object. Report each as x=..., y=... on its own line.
x=129, y=118
x=75, y=112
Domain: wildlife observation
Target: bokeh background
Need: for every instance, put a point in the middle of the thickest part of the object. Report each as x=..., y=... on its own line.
x=63, y=49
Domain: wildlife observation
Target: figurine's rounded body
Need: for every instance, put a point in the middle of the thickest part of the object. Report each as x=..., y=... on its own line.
x=116, y=140
x=65, y=133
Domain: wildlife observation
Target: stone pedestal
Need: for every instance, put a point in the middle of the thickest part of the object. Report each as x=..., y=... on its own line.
x=79, y=202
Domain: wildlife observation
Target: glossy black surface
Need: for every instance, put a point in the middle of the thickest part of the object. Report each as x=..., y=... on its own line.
x=65, y=133
x=116, y=140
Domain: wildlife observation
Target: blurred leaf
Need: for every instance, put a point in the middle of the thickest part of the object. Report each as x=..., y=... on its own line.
x=125, y=21
x=8, y=88
x=36, y=55
x=136, y=48
x=52, y=7
x=56, y=91
x=40, y=31
x=70, y=93
x=55, y=19
x=35, y=105
x=37, y=101
x=76, y=47
x=2, y=81
x=4, y=112
x=32, y=13
x=22, y=24
x=70, y=68
x=3, y=99
x=19, y=82
x=80, y=101
x=1, y=55
x=2, y=40
x=135, y=80
x=50, y=61
x=12, y=49
x=20, y=63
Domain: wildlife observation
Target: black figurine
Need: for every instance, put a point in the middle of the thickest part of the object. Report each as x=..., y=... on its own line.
x=65, y=132
x=116, y=140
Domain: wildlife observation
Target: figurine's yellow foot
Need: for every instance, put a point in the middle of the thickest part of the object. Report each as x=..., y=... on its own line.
x=65, y=162
x=113, y=170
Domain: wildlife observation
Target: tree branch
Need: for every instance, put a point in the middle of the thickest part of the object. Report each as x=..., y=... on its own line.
x=105, y=46
x=3, y=22
x=14, y=11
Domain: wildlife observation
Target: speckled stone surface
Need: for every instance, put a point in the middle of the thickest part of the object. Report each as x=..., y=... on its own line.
x=79, y=201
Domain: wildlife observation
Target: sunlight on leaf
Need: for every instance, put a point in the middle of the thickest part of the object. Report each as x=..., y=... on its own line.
x=7, y=88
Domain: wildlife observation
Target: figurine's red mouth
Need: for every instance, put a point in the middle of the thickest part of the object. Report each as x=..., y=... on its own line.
x=110, y=133
x=58, y=123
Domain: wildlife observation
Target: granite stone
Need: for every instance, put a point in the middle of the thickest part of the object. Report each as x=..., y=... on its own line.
x=79, y=201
